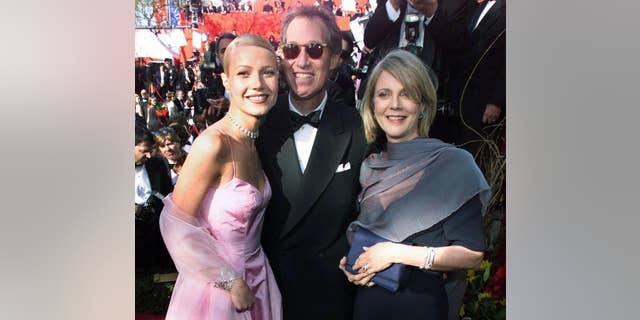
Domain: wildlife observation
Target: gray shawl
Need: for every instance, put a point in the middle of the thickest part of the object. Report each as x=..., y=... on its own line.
x=430, y=178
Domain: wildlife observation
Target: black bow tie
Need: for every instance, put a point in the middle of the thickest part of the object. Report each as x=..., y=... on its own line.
x=297, y=120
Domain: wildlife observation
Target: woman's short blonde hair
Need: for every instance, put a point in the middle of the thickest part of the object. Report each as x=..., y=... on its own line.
x=417, y=80
x=246, y=39
x=166, y=134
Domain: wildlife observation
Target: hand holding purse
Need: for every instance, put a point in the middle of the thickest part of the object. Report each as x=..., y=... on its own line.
x=389, y=278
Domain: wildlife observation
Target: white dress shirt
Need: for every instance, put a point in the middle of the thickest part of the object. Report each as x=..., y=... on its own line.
x=306, y=135
x=174, y=175
x=143, y=185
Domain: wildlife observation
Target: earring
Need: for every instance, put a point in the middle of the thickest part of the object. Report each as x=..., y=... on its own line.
x=421, y=115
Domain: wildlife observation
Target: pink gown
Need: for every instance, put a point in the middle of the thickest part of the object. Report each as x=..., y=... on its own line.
x=222, y=243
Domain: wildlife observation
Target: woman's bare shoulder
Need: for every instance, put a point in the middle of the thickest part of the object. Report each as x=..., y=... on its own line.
x=210, y=144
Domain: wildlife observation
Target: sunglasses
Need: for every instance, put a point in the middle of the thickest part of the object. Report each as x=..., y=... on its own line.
x=292, y=50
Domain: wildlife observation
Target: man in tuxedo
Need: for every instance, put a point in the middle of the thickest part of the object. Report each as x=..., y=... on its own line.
x=483, y=100
x=165, y=78
x=186, y=78
x=311, y=149
x=144, y=102
x=178, y=101
x=152, y=183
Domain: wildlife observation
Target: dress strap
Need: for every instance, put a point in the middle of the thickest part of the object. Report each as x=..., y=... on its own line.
x=233, y=162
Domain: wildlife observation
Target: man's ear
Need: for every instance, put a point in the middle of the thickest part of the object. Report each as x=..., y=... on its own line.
x=225, y=80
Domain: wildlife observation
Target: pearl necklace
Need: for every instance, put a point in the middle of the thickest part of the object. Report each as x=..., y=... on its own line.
x=251, y=134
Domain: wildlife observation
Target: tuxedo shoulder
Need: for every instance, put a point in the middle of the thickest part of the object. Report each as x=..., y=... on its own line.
x=155, y=162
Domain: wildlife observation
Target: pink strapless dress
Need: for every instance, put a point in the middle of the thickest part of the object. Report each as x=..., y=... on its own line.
x=222, y=243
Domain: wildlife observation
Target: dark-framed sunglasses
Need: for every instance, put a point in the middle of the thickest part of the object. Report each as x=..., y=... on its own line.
x=292, y=50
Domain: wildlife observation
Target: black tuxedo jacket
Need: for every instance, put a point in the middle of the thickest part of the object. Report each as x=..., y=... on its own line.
x=185, y=81
x=179, y=104
x=170, y=77
x=158, y=176
x=487, y=50
x=151, y=253
x=305, y=222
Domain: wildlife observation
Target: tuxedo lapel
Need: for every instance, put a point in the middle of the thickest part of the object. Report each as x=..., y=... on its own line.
x=490, y=18
x=287, y=159
x=476, y=15
x=286, y=166
x=328, y=150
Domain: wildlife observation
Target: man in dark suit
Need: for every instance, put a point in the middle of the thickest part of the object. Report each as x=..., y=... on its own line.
x=186, y=78
x=165, y=78
x=311, y=149
x=152, y=183
x=178, y=101
x=483, y=99
x=432, y=29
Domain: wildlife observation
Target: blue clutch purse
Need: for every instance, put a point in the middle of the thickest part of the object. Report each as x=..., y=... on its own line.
x=389, y=278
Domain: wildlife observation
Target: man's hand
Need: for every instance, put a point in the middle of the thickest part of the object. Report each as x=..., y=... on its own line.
x=426, y=7
x=491, y=114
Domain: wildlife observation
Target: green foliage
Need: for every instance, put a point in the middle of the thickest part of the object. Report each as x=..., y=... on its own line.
x=485, y=295
x=151, y=297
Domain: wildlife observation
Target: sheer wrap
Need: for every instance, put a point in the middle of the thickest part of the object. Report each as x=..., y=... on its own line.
x=194, y=250
x=430, y=178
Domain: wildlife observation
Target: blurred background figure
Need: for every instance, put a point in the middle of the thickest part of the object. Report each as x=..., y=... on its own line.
x=165, y=78
x=170, y=147
x=140, y=112
x=340, y=86
x=152, y=183
x=170, y=105
x=154, y=112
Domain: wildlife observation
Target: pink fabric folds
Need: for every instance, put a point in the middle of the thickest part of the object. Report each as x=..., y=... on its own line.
x=221, y=243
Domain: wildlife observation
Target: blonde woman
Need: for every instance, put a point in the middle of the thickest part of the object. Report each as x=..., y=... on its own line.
x=424, y=196
x=212, y=222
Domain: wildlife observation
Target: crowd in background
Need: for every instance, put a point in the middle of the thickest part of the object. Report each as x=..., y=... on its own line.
x=195, y=9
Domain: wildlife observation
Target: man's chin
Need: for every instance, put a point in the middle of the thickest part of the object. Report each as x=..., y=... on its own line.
x=306, y=95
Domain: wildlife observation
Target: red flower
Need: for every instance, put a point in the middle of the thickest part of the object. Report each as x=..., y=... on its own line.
x=162, y=113
x=497, y=283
